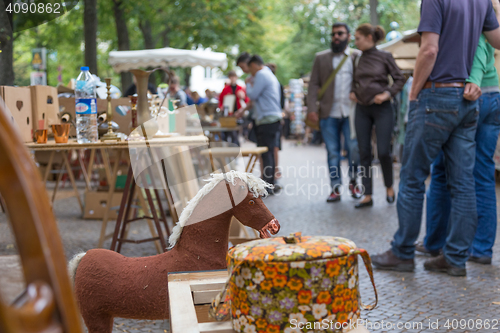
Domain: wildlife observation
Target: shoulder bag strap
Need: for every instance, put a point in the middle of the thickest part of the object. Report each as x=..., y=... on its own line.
x=331, y=77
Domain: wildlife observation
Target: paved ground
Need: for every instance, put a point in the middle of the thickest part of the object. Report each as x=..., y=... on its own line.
x=416, y=298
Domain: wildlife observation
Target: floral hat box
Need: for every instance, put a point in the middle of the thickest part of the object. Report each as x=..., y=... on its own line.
x=293, y=284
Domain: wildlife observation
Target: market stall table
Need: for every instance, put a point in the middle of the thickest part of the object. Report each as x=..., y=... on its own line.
x=111, y=172
x=216, y=131
x=253, y=153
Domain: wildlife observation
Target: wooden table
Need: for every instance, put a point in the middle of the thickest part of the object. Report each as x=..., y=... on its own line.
x=216, y=130
x=189, y=298
x=222, y=152
x=111, y=171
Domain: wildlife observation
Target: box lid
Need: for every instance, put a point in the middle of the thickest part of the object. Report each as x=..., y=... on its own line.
x=292, y=248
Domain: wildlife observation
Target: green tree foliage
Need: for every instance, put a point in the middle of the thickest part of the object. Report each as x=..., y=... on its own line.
x=286, y=32
x=309, y=27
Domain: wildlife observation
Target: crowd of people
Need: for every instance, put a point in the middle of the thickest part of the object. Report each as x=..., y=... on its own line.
x=452, y=131
x=451, y=134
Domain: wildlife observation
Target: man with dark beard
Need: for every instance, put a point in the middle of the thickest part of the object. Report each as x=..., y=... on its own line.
x=330, y=85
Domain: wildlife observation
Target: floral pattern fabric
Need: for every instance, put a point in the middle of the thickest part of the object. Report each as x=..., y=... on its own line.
x=279, y=287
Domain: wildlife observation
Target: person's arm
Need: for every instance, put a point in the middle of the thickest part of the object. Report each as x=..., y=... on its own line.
x=426, y=59
x=241, y=111
x=491, y=28
x=472, y=89
x=313, y=88
x=221, y=96
x=398, y=81
x=397, y=76
x=183, y=98
x=255, y=89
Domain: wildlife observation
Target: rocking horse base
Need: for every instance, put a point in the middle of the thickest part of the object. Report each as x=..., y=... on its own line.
x=190, y=295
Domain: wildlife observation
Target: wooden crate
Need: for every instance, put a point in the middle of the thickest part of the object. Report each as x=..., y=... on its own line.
x=228, y=122
x=190, y=295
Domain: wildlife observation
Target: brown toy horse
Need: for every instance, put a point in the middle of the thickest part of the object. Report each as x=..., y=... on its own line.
x=109, y=285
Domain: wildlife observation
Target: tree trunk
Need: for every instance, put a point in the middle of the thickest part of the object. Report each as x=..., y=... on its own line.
x=147, y=34
x=90, y=33
x=149, y=43
x=123, y=39
x=373, y=12
x=6, y=46
x=187, y=76
x=165, y=37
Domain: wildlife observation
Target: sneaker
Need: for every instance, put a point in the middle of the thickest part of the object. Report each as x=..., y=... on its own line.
x=439, y=264
x=334, y=197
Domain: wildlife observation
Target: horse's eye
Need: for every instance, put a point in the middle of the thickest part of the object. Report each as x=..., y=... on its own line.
x=242, y=187
x=251, y=202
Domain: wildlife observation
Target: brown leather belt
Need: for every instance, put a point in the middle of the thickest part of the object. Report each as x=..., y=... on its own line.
x=428, y=85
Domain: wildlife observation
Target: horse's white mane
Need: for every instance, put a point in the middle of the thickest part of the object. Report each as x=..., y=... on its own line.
x=256, y=186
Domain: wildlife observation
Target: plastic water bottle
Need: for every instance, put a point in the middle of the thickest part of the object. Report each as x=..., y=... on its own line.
x=86, y=107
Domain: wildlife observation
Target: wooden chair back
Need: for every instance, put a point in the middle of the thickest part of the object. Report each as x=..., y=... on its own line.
x=48, y=303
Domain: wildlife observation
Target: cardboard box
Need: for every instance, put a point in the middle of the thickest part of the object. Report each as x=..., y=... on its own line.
x=95, y=205
x=67, y=106
x=125, y=122
x=45, y=106
x=18, y=102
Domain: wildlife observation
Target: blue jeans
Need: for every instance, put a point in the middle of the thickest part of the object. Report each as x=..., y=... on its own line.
x=438, y=195
x=331, y=128
x=440, y=119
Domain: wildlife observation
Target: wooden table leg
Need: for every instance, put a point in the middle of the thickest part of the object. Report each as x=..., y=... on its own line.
x=90, y=167
x=49, y=166
x=58, y=180
x=111, y=191
x=170, y=199
x=144, y=205
x=106, y=163
x=72, y=179
x=127, y=197
x=249, y=164
x=85, y=172
x=155, y=218
x=254, y=161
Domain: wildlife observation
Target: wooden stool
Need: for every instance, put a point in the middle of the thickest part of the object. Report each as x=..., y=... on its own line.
x=119, y=235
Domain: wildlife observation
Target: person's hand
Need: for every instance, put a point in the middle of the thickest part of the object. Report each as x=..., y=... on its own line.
x=381, y=98
x=353, y=98
x=239, y=113
x=472, y=91
x=413, y=95
x=249, y=79
x=313, y=116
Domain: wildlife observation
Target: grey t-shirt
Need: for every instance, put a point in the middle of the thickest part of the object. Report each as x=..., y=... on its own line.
x=459, y=24
x=182, y=97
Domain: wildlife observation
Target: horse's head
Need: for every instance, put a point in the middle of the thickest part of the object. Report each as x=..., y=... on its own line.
x=250, y=210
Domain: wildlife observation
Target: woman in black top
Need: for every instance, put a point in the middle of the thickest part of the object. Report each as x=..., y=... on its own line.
x=372, y=93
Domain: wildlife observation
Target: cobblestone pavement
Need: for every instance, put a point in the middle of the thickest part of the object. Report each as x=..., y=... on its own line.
x=416, y=299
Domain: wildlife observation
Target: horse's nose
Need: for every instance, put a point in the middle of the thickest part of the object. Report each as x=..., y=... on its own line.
x=274, y=226
x=269, y=229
